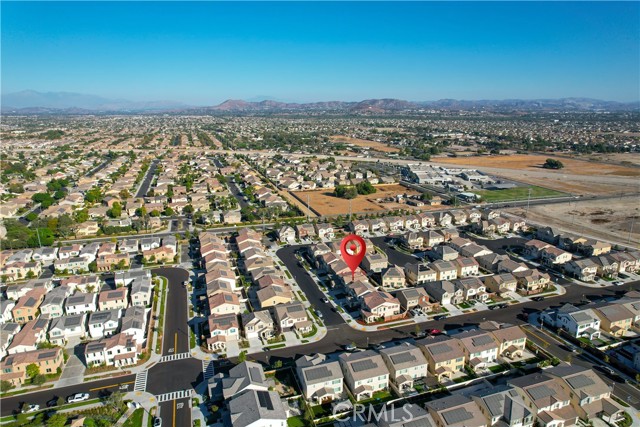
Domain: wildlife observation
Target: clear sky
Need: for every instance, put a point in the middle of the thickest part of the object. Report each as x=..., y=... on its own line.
x=204, y=53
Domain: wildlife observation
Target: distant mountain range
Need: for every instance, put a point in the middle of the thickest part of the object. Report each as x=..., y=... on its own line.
x=46, y=101
x=32, y=102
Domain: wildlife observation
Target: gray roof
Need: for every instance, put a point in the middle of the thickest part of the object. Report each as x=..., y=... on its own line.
x=363, y=365
x=241, y=376
x=404, y=356
x=252, y=405
x=103, y=316
x=65, y=322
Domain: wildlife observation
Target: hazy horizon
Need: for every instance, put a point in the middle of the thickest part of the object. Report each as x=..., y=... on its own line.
x=205, y=53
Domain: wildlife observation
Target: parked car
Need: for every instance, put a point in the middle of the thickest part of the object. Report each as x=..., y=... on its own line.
x=350, y=347
x=27, y=409
x=537, y=298
x=157, y=422
x=318, y=313
x=618, y=283
x=434, y=331
x=53, y=402
x=78, y=397
x=420, y=334
x=324, y=300
x=440, y=317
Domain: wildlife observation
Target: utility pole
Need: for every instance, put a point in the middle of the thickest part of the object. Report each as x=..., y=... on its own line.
x=633, y=219
x=308, y=211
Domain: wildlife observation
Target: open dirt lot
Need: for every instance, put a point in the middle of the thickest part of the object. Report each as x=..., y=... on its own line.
x=525, y=162
x=378, y=146
x=609, y=220
x=325, y=203
x=577, y=177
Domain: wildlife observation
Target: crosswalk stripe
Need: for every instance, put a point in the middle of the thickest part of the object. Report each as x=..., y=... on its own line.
x=207, y=369
x=178, y=356
x=141, y=381
x=174, y=395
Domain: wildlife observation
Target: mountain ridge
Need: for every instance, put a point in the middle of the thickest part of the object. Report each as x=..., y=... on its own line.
x=33, y=102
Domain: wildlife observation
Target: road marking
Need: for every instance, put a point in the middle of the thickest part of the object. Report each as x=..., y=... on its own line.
x=174, y=413
x=170, y=357
x=141, y=381
x=110, y=386
x=181, y=394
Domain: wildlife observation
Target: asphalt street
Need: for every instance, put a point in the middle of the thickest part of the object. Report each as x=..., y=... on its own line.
x=146, y=182
x=94, y=388
x=175, y=413
x=176, y=330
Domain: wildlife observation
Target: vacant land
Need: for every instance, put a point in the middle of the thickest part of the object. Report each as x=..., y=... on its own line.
x=577, y=177
x=377, y=146
x=609, y=220
x=518, y=193
x=525, y=162
x=325, y=203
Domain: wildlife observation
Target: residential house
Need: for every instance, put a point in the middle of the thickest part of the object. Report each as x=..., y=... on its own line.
x=577, y=322
x=592, y=247
x=116, y=299
x=393, y=278
x=14, y=366
x=66, y=327
x=501, y=283
x=292, y=316
x=590, y=395
x=532, y=281
x=134, y=323
x=511, y=340
x=374, y=263
x=80, y=303
x=104, y=323
x=325, y=231
x=223, y=328
x=379, y=306
x=546, y=398
x=443, y=252
x=418, y=274
x=53, y=304
x=456, y=411
x=321, y=380
x=246, y=376
x=479, y=347
x=606, y=266
x=466, y=266
x=105, y=262
x=256, y=408
x=414, y=298
x=258, y=324
x=444, y=292
x=472, y=288
x=406, y=363
x=444, y=354
x=615, y=319
x=72, y=264
x=432, y=238
x=581, y=269
x=445, y=270
x=141, y=292
x=117, y=350
x=27, y=308
x=365, y=373
x=224, y=303
x=28, y=338
x=554, y=257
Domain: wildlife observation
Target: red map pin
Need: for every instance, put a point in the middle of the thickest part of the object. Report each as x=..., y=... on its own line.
x=353, y=249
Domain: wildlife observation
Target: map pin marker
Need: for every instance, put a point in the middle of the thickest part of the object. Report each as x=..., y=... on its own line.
x=353, y=250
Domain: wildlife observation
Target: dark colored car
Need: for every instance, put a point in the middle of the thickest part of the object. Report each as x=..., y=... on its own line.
x=440, y=317
x=537, y=298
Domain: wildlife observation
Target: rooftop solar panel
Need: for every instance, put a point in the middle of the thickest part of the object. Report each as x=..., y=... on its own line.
x=403, y=357
x=265, y=400
x=363, y=365
x=317, y=373
x=440, y=348
x=580, y=381
x=456, y=416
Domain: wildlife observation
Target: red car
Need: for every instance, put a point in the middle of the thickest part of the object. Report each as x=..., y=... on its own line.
x=434, y=331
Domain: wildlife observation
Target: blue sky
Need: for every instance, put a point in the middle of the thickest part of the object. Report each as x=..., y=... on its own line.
x=204, y=53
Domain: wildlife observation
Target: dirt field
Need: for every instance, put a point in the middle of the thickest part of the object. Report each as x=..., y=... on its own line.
x=577, y=177
x=610, y=220
x=525, y=162
x=377, y=146
x=620, y=158
x=325, y=203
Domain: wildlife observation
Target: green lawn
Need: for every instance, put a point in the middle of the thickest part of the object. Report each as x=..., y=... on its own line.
x=517, y=193
x=296, y=422
x=135, y=420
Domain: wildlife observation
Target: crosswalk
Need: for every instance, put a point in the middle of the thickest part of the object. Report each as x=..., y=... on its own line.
x=141, y=381
x=207, y=369
x=178, y=356
x=174, y=395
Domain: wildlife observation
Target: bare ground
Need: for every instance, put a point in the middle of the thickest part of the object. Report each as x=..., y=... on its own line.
x=609, y=220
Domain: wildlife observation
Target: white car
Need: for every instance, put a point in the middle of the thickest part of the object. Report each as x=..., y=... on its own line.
x=78, y=397
x=30, y=408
